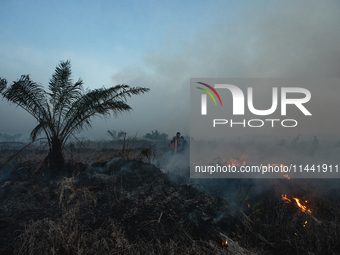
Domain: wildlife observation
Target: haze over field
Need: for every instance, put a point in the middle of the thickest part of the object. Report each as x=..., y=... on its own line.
x=161, y=45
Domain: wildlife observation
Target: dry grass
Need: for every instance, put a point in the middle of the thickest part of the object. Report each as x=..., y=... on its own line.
x=142, y=212
x=68, y=236
x=71, y=234
x=282, y=228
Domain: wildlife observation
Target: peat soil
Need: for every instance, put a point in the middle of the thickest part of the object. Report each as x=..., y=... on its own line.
x=121, y=206
x=130, y=207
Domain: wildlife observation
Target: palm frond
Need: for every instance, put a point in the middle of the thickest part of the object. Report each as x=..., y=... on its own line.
x=42, y=126
x=99, y=102
x=3, y=84
x=61, y=78
x=83, y=118
x=64, y=92
x=67, y=96
x=121, y=134
x=61, y=85
x=30, y=96
x=121, y=92
x=112, y=133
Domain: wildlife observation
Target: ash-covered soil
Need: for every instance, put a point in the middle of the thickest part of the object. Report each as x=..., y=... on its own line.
x=130, y=207
x=122, y=206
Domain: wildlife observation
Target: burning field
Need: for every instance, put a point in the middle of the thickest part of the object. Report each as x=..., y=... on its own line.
x=120, y=205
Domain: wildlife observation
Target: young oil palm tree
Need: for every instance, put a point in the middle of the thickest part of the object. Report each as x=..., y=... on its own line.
x=67, y=108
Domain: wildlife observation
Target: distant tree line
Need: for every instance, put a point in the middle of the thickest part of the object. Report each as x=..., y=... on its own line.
x=10, y=138
x=156, y=135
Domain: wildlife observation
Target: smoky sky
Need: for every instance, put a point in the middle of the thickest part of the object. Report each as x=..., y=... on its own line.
x=285, y=39
x=264, y=39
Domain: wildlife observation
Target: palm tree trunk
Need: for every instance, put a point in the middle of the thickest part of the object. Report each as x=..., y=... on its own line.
x=55, y=156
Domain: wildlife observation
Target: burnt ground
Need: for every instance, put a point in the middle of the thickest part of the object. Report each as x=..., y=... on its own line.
x=125, y=206
x=130, y=207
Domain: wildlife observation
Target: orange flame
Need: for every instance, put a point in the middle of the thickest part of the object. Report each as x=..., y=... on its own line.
x=286, y=175
x=243, y=158
x=235, y=162
x=302, y=207
x=284, y=198
x=225, y=244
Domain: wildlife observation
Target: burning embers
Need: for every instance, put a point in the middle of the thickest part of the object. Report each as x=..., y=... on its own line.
x=298, y=203
x=284, y=198
x=225, y=244
x=303, y=207
x=235, y=162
